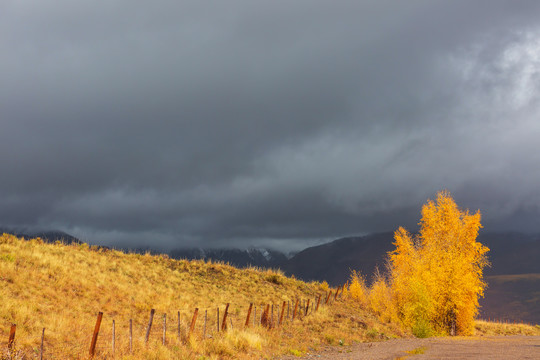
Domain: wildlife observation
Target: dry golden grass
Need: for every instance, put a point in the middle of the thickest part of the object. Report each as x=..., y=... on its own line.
x=62, y=288
x=486, y=328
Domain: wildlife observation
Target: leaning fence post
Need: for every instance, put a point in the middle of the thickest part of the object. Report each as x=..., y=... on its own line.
x=282, y=312
x=248, y=315
x=224, y=323
x=192, y=326
x=295, y=309
x=307, y=306
x=318, y=302
x=41, y=347
x=96, y=332
x=149, y=325
x=328, y=297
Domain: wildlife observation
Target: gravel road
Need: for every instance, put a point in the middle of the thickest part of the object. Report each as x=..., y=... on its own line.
x=487, y=347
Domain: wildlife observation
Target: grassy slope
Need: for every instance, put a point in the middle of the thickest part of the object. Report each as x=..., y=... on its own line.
x=62, y=287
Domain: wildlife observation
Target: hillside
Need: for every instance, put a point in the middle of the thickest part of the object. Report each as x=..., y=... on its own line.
x=334, y=261
x=62, y=288
x=47, y=235
x=512, y=298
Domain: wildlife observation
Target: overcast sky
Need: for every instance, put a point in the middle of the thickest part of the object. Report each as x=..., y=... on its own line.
x=278, y=123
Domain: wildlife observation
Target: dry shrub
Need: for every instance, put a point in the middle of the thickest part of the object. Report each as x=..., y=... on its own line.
x=357, y=288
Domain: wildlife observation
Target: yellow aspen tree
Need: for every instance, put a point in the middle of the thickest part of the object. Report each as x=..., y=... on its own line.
x=436, y=278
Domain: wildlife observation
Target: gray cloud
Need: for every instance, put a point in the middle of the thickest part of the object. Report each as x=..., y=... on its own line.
x=279, y=123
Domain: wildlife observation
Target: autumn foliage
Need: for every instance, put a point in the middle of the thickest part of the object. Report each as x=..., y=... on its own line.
x=434, y=278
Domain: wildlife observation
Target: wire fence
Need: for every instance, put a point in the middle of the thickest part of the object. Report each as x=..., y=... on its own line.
x=109, y=335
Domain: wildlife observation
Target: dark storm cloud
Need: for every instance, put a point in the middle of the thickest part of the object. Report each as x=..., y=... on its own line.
x=234, y=123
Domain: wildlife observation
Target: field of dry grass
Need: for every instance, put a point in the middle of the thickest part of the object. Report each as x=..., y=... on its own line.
x=490, y=328
x=62, y=288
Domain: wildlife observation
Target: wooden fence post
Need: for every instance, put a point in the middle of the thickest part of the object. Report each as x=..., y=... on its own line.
x=272, y=318
x=224, y=323
x=130, y=336
x=295, y=309
x=318, y=302
x=113, y=336
x=288, y=307
x=328, y=297
x=255, y=315
x=282, y=312
x=217, y=322
x=96, y=332
x=164, y=328
x=192, y=326
x=205, y=317
x=149, y=325
x=178, y=328
x=41, y=347
x=248, y=315
x=307, y=306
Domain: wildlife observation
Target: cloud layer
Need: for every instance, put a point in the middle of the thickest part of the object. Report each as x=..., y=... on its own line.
x=278, y=123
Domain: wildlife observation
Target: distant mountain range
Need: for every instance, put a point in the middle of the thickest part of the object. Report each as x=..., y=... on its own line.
x=257, y=257
x=511, y=254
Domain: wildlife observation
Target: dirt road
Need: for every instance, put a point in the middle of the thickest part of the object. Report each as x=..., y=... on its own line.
x=488, y=347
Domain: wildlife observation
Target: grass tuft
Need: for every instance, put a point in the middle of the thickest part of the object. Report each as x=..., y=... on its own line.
x=417, y=351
